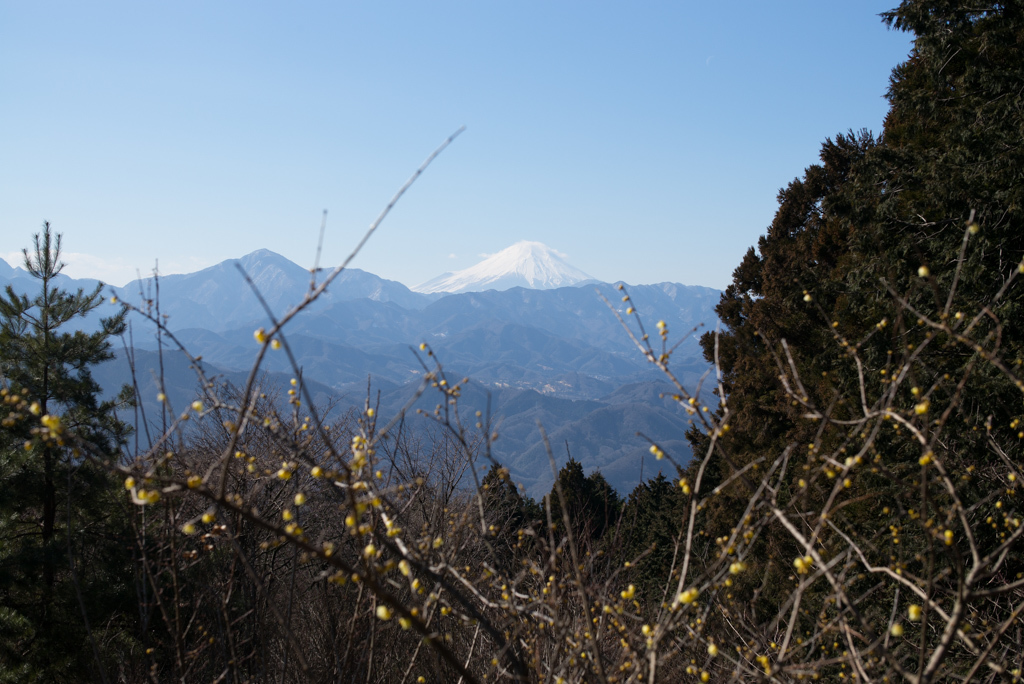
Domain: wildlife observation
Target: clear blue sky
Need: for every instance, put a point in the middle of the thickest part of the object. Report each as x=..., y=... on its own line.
x=646, y=140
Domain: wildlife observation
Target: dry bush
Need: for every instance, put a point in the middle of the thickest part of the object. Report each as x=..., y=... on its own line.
x=273, y=545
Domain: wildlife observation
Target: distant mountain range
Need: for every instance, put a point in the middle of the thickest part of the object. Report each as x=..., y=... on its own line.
x=556, y=355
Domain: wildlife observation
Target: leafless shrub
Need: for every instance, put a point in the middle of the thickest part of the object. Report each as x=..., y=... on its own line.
x=275, y=546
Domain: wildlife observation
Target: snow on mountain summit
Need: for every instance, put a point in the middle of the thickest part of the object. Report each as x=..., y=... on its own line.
x=524, y=264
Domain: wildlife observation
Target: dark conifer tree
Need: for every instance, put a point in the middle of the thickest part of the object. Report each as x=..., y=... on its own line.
x=591, y=503
x=849, y=240
x=63, y=545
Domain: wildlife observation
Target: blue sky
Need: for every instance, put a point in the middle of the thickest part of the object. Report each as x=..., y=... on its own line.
x=647, y=141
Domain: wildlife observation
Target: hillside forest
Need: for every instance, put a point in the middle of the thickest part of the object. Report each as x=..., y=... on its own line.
x=843, y=504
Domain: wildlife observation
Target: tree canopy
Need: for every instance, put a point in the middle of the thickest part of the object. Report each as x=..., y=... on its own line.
x=63, y=543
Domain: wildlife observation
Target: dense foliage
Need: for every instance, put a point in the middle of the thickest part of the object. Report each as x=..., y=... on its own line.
x=64, y=546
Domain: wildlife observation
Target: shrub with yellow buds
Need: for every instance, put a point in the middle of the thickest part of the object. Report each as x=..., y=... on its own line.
x=628, y=593
x=51, y=423
x=383, y=612
x=803, y=565
x=689, y=596
x=147, y=496
x=914, y=612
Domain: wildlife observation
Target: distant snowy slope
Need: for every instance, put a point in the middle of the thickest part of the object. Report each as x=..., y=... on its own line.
x=525, y=264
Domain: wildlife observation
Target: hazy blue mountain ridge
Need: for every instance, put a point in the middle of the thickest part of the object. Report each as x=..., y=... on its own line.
x=218, y=298
x=557, y=356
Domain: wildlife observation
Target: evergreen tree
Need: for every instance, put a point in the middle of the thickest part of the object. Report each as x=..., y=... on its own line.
x=593, y=506
x=509, y=512
x=875, y=210
x=651, y=520
x=848, y=242
x=63, y=548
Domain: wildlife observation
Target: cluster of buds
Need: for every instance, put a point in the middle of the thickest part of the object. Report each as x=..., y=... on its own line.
x=803, y=565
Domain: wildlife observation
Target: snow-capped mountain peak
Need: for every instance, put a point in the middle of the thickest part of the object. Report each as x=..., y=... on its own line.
x=524, y=264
